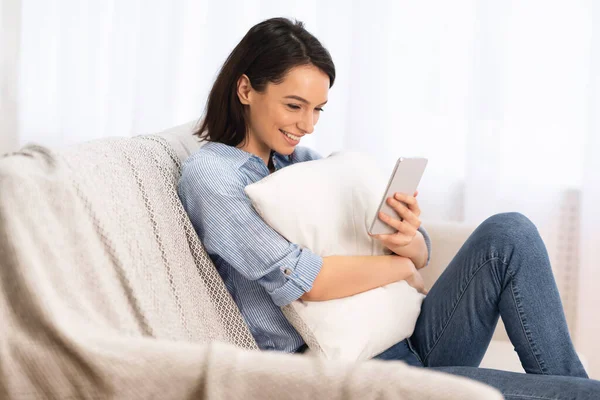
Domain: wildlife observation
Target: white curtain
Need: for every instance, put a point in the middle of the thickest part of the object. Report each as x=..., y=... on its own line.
x=9, y=60
x=502, y=97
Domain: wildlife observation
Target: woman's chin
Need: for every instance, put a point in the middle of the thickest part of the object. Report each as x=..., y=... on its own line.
x=285, y=149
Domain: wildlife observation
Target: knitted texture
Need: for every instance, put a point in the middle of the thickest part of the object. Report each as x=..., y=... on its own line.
x=106, y=292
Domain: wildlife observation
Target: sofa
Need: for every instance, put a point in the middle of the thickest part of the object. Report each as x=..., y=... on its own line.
x=107, y=292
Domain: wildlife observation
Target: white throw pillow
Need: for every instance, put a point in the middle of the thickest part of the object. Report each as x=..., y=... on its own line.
x=327, y=205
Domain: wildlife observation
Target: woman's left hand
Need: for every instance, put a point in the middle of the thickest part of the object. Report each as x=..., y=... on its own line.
x=407, y=227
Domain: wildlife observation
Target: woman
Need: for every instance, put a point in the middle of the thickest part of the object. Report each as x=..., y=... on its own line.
x=268, y=95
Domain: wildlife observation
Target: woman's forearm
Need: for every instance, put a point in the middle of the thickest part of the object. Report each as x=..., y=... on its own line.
x=343, y=276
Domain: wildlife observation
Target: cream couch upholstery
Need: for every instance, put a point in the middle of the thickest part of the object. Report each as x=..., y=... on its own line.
x=106, y=292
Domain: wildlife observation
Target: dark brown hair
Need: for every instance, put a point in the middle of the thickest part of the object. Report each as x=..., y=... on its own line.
x=267, y=52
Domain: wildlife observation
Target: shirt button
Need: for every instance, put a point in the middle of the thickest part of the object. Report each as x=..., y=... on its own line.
x=287, y=271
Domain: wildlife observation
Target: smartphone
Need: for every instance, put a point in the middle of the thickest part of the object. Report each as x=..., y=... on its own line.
x=404, y=179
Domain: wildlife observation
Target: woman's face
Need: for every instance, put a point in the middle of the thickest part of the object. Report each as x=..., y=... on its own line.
x=283, y=113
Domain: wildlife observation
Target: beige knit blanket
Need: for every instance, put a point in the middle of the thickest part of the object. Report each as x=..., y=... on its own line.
x=106, y=292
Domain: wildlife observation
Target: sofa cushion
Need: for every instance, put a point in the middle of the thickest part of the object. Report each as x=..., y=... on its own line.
x=181, y=139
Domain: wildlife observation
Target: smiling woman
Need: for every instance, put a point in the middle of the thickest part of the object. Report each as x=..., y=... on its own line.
x=266, y=97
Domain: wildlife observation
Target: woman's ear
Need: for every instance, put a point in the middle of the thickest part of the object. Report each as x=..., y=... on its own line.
x=244, y=89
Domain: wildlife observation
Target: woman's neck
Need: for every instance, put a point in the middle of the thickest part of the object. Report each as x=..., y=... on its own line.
x=257, y=148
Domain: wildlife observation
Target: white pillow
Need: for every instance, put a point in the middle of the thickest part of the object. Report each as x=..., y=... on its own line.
x=327, y=205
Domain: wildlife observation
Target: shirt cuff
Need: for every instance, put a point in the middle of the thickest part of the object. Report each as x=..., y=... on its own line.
x=427, y=243
x=299, y=279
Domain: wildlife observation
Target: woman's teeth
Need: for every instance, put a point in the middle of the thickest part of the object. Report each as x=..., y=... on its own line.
x=290, y=136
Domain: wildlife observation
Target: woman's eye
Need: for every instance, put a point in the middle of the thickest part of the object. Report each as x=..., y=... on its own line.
x=319, y=109
x=294, y=106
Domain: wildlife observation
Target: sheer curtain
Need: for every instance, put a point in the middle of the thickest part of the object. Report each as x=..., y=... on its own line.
x=502, y=97
x=9, y=61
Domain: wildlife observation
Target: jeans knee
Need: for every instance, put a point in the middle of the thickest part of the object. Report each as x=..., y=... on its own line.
x=511, y=224
x=511, y=229
x=509, y=235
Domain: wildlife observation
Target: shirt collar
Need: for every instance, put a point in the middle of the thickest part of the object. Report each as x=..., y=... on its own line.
x=237, y=157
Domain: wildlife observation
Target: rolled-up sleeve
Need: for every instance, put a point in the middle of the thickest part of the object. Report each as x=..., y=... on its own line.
x=300, y=279
x=228, y=226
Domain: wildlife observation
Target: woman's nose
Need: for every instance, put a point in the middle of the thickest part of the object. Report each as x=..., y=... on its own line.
x=307, y=125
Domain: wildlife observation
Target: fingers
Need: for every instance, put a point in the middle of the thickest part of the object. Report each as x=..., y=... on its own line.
x=394, y=240
x=393, y=222
x=405, y=212
x=406, y=230
x=410, y=201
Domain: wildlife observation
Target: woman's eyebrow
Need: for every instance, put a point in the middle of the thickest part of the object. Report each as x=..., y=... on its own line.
x=302, y=99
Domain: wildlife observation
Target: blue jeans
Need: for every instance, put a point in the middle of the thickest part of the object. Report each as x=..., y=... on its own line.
x=503, y=269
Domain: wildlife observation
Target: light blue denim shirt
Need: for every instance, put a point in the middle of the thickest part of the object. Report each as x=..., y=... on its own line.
x=260, y=268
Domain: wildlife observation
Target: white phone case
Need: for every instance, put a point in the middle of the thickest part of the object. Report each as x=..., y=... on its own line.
x=405, y=179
